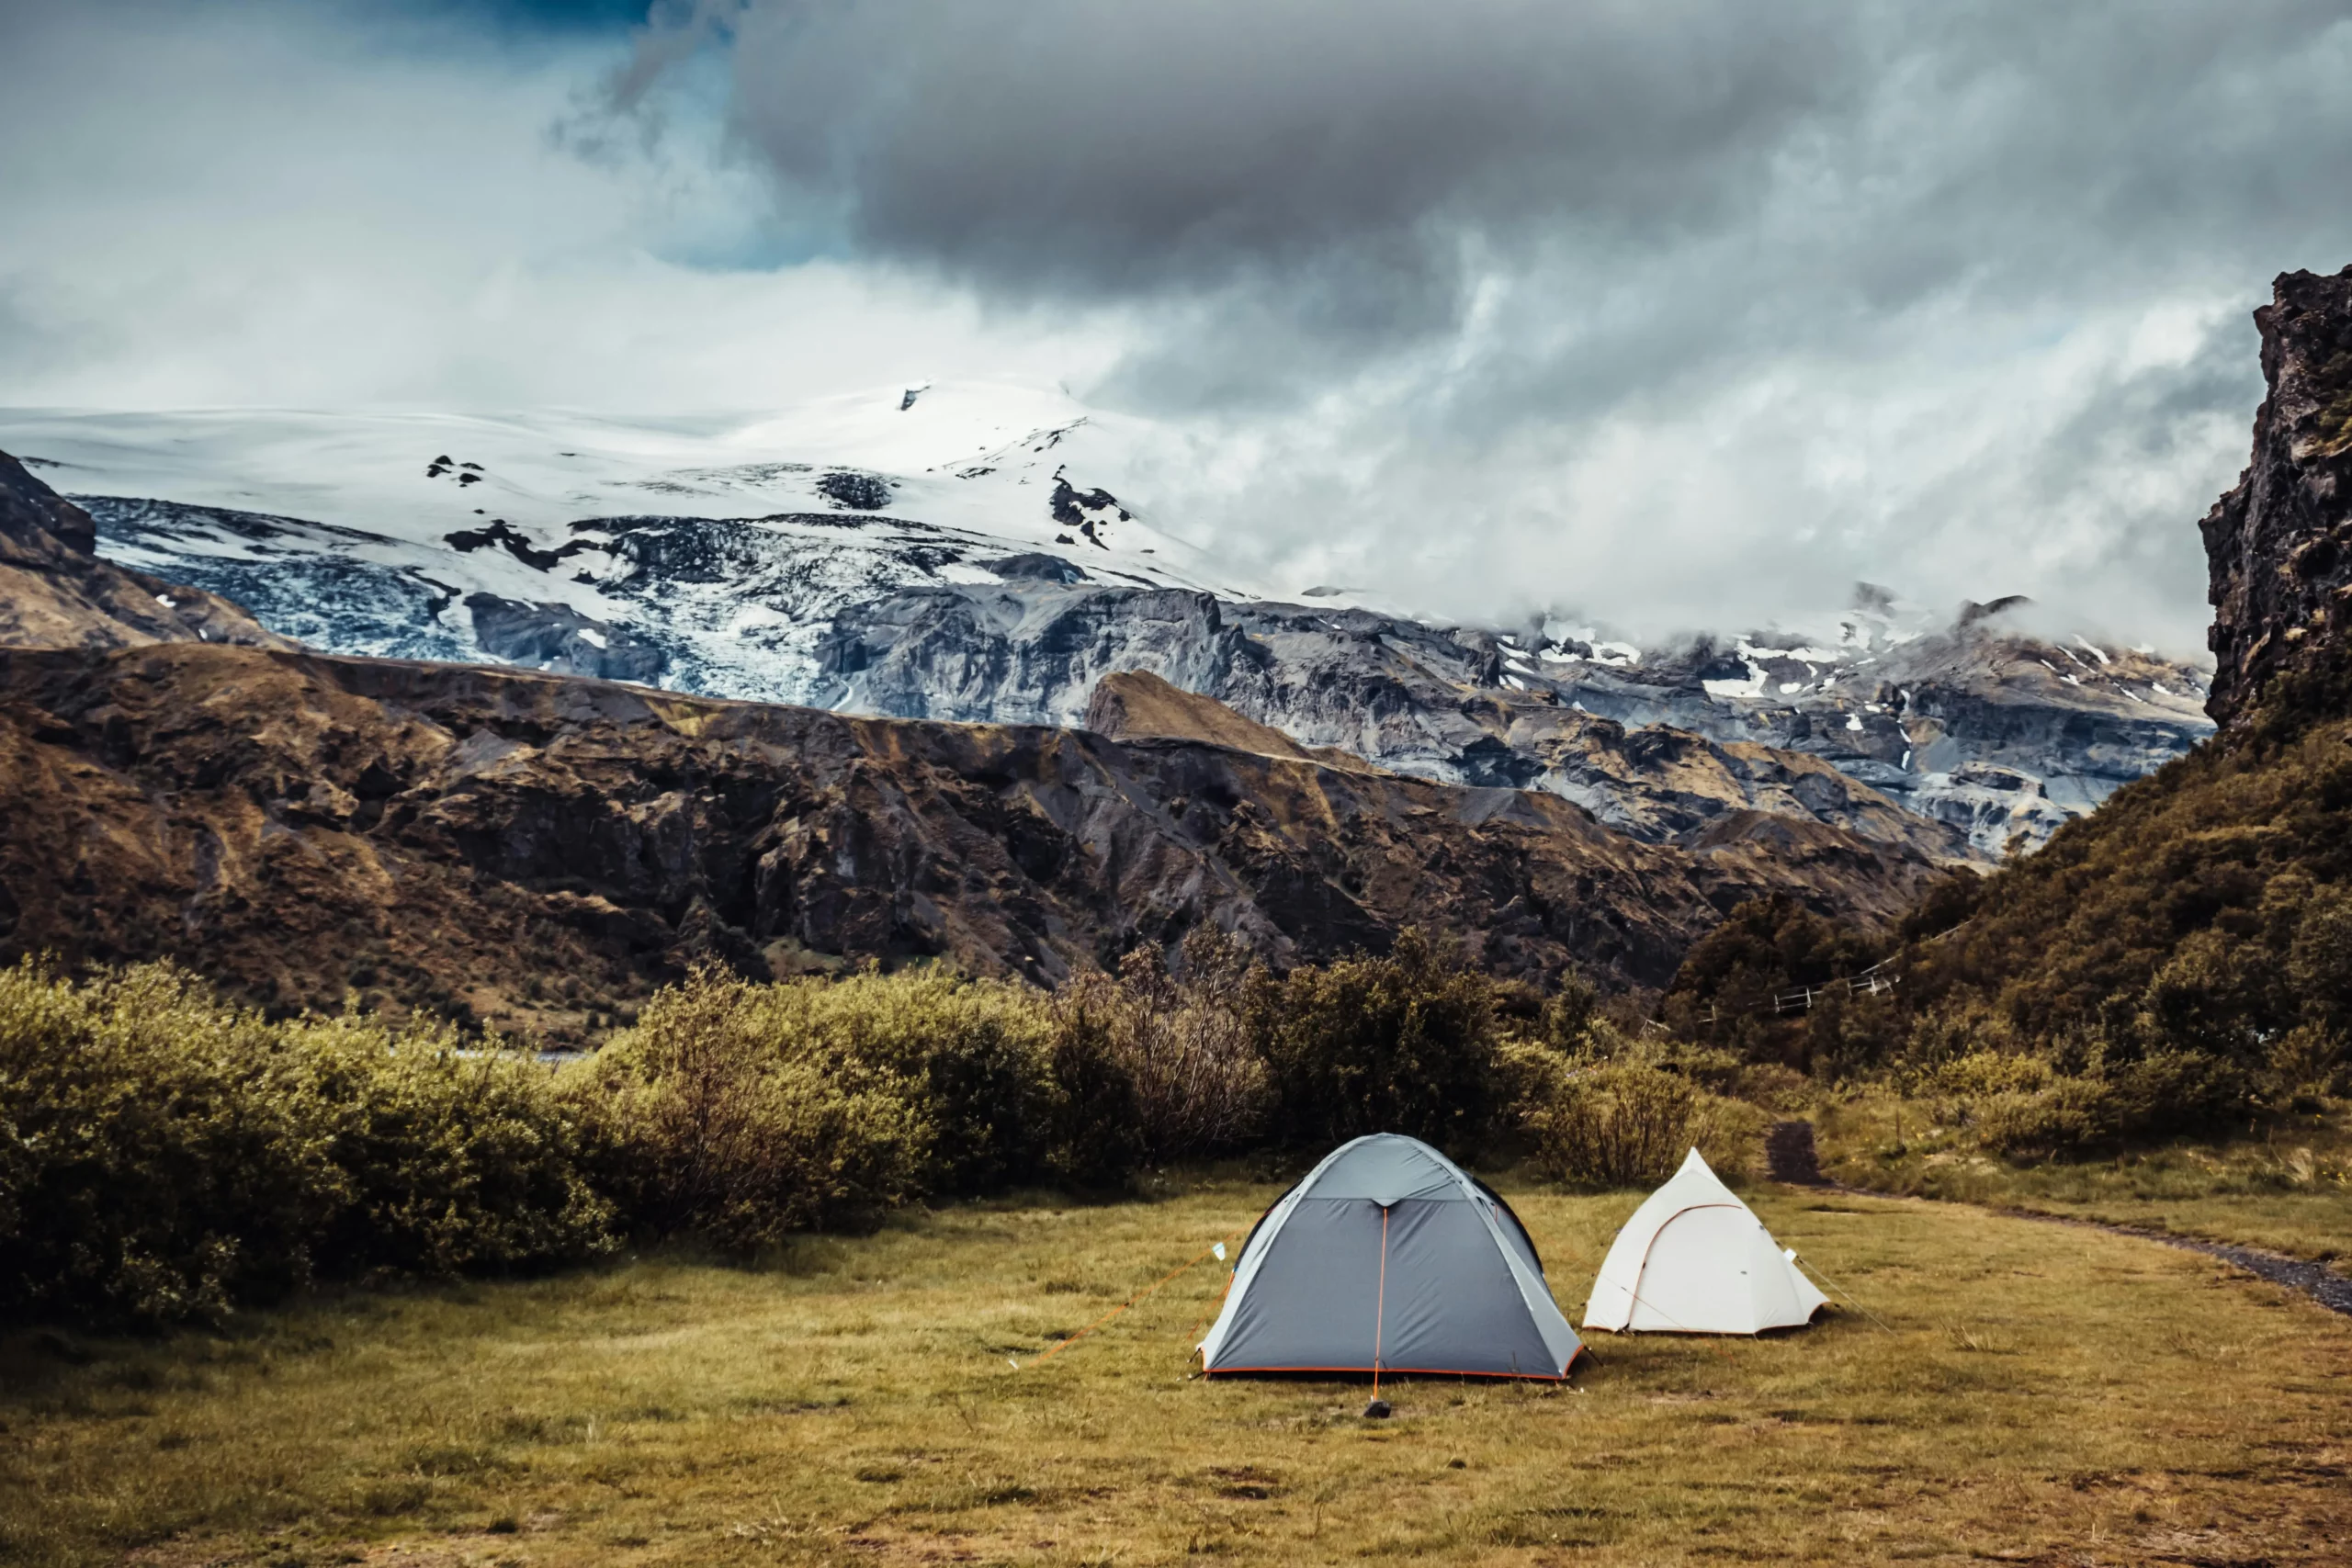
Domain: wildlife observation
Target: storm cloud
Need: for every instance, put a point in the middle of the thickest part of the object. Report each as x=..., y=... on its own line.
x=1681, y=309
x=1373, y=161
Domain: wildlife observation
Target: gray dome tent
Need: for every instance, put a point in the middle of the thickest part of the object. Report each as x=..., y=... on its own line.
x=1389, y=1259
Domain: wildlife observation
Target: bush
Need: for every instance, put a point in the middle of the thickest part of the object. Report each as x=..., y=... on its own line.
x=1983, y=1073
x=1405, y=1042
x=1631, y=1123
x=745, y=1112
x=1097, y=1129
x=2030, y=1106
x=2319, y=960
x=972, y=1057
x=720, y=1119
x=1199, y=1086
x=2177, y=1091
x=2061, y=1115
x=454, y=1161
x=168, y=1157
x=2310, y=1059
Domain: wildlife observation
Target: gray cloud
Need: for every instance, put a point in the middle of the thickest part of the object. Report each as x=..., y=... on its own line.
x=1683, y=306
x=1106, y=148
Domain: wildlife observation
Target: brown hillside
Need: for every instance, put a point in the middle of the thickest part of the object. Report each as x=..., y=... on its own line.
x=541, y=849
x=1135, y=704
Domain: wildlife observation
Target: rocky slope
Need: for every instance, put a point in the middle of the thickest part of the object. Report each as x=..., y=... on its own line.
x=540, y=850
x=2189, y=945
x=55, y=592
x=1135, y=704
x=1959, y=740
x=2280, y=543
x=1990, y=735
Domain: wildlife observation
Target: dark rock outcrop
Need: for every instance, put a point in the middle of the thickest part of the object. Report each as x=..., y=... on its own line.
x=55, y=593
x=538, y=849
x=2279, y=544
x=859, y=492
x=558, y=638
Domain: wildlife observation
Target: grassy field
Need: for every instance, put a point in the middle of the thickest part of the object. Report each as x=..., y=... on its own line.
x=2035, y=1393
x=2286, y=1186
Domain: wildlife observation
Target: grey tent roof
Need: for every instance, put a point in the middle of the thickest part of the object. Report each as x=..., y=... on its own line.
x=1388, y=1255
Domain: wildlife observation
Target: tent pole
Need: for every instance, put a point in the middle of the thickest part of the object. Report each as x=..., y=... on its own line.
x=1380, y=1304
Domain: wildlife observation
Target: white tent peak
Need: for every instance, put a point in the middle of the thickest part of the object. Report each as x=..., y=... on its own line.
x=1695, y=1260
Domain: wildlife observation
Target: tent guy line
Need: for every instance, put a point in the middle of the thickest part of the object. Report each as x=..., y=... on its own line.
x=1209, y=1250
x=1809, y=1265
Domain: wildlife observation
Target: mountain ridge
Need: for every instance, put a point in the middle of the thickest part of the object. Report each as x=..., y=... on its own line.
x=846, y=557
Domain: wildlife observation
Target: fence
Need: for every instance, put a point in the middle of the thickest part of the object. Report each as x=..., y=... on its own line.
x=1869, y=983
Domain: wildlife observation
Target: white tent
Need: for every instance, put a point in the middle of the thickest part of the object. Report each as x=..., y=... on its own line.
x=1695, y=1259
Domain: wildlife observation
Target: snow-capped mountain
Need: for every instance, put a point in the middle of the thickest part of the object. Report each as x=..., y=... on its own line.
x=985, y=552
x=1025, y=467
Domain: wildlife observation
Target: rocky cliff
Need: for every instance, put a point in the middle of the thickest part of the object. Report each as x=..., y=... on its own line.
x=2280, y=544
x=540, y=850
x=1961, y=740
x=55, y=592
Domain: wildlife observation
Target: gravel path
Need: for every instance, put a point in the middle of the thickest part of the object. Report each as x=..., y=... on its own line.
x=1789, y=1157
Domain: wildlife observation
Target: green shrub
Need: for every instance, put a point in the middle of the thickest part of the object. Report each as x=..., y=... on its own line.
x=1097, y=1127
x=2178, y=1091
x=721, y=1119
x=2060, y=1115
x=169, y=1156
x=1983, y=1073
x=972, y=1057
x=2216, y=995
x=1631, y=1124
x=1405, y=1042
x=745, y=1112
x=2310, y=1059
x=1199, y=1086
x=173, y=1163
x=1616, y=1126
x=2319, y=960
x=454, y=1161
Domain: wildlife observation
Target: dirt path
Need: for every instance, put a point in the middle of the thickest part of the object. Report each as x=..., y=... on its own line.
x=1789, y=1157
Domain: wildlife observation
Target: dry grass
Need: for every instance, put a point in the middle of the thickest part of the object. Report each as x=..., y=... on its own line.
x=2041, y=1394
x=2286, y=1186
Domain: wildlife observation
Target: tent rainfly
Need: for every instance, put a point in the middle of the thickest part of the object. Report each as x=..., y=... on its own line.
x=1695, y=1259
x=1389, y=1259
